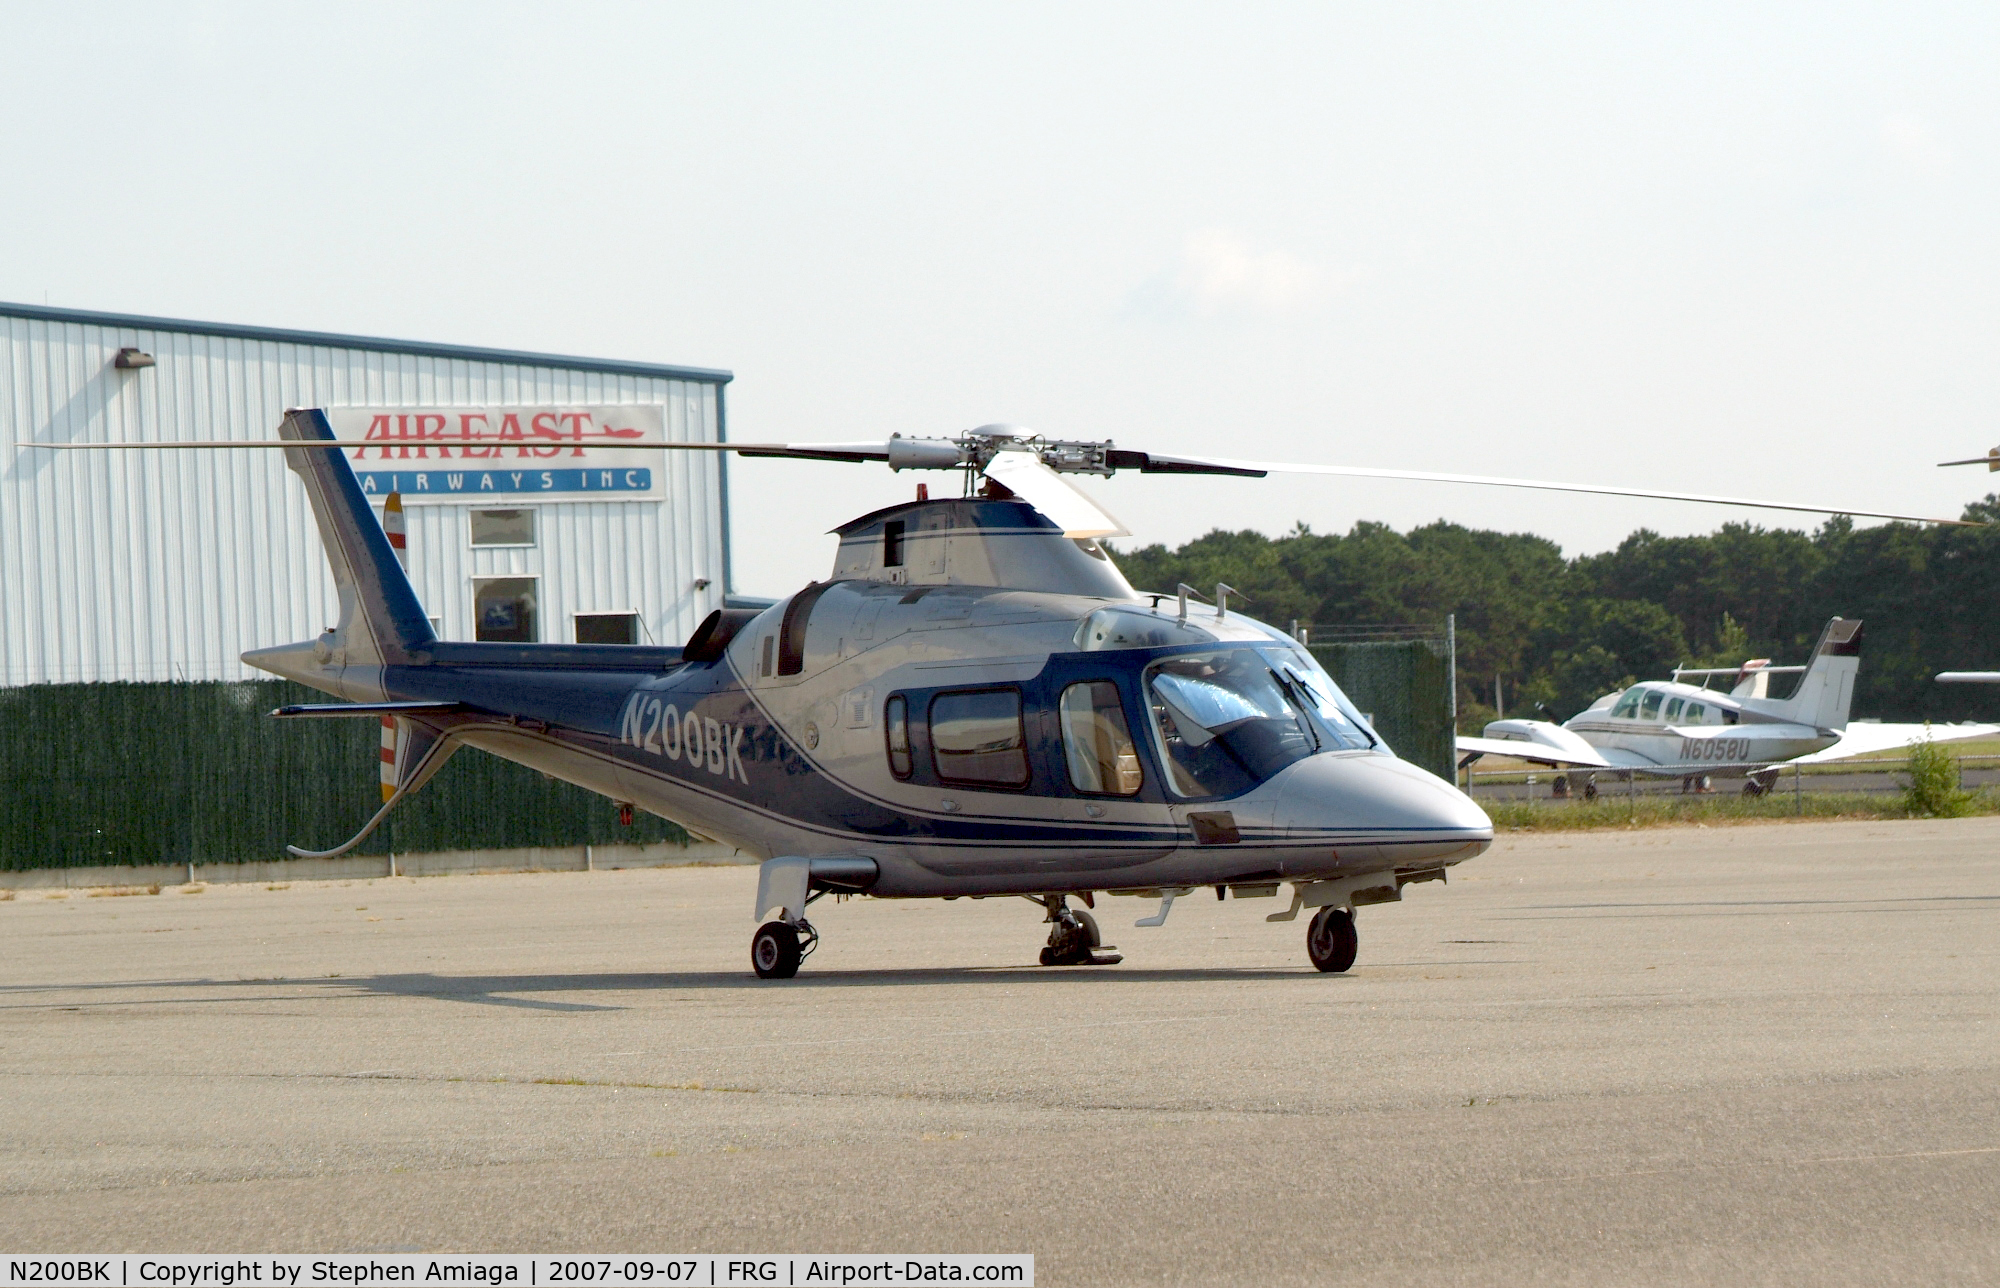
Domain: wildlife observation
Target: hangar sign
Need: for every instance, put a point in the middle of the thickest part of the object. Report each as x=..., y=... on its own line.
x=477, y=454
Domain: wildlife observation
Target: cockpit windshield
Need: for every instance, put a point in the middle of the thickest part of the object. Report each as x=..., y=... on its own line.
x=1228, y=720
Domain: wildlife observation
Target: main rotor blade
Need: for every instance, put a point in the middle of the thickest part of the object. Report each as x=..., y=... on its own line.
x=1482, y=480
x=1023, y=474
x=900, y=453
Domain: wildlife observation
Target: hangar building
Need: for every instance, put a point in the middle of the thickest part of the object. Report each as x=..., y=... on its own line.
x=165, y=565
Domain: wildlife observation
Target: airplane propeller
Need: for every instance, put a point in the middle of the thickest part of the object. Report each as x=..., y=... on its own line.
x=1031, y=467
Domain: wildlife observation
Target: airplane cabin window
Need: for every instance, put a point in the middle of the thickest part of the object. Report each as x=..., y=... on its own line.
x=896, y=727
x=1628, y=706
x=1649, y=706
x=1103, y=760
x=976, y=737
x=1697, y=713
x=1674, y=708
x=892, y=543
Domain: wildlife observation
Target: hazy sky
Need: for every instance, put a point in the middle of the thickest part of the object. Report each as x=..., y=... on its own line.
x=1705, y=247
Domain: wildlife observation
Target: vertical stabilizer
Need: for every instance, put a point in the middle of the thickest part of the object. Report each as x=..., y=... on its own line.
x=381, y=619
x=1826, y=691
x=381, y=622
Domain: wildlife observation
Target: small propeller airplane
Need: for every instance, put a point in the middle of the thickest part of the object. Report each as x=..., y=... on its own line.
x=974, y=703
x=1671, y=728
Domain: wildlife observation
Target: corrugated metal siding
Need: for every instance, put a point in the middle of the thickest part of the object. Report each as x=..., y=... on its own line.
x=167, y=565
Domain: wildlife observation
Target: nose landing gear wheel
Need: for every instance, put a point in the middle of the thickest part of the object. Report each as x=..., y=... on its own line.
x=1330, y=940
x=1074, y=940
x=774, y=952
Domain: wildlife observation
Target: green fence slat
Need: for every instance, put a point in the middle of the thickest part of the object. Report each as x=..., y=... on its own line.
x=171, y=773
x=1404, y=686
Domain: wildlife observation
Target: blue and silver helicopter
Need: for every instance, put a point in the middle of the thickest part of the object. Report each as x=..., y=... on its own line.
x=974, y=703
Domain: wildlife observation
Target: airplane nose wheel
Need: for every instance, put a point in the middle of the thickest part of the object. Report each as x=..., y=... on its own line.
x=779, y=947
x=1330, y=940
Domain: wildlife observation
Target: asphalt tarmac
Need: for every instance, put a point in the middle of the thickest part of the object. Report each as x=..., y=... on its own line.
x=1761, y=1054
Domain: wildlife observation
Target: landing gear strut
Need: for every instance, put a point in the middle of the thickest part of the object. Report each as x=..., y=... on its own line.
x=1330, y=940
x=779, y=947
x=1073, y=937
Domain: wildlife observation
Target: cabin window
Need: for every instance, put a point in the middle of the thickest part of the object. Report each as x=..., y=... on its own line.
x=1649, y=707
x=764, y=667
x=1697, y=713
x=892, y=544
x=503, y=610
x=502, y=527
x=1103, y=760
x=896, y=730
x=1628, y=706
x=1674, y=707
x=976, y=737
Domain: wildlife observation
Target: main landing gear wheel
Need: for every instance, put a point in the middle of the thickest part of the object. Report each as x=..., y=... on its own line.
x=775, y=952
x=1331, y=941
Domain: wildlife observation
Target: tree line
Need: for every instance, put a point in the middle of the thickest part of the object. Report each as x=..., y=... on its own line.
x=1554, y=633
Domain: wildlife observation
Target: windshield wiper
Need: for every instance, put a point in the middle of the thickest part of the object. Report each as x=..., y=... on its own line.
x=1304, y=716
x=1366, y=732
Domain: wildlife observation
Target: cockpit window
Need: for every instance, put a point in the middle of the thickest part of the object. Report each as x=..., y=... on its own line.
x=1227, y=721
x=1649, y=709
x=1628, y=706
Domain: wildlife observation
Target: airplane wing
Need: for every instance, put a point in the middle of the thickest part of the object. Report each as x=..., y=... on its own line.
x=1860, y=739
x=1532, y=752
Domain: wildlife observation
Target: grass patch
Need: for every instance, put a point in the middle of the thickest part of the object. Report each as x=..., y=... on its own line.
x=1612, y=812
x=6, y=896
x=1932, y=788
x=120, y=892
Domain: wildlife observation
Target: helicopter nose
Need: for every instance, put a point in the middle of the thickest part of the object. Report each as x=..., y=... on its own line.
x=1380, y=800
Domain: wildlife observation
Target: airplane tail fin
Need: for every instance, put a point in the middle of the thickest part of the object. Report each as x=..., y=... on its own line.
x=381, y=620
x=1826, y=691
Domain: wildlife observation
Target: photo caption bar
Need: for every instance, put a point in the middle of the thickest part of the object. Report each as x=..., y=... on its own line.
x=736, y=1270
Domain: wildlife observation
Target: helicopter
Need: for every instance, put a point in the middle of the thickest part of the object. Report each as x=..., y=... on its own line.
x=974, y=703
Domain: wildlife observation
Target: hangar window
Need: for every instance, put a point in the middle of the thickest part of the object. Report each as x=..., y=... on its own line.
x=502, y=527
x=976, y=737
x=607, y=628
x=1097, y=742
x=1649, y=709
x=503, y=610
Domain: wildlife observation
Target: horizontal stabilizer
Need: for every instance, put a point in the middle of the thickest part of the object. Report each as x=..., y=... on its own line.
x=356, y=709
x=1861, y=739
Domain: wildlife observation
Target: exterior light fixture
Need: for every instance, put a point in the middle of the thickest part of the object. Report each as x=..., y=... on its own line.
x=129, y=359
